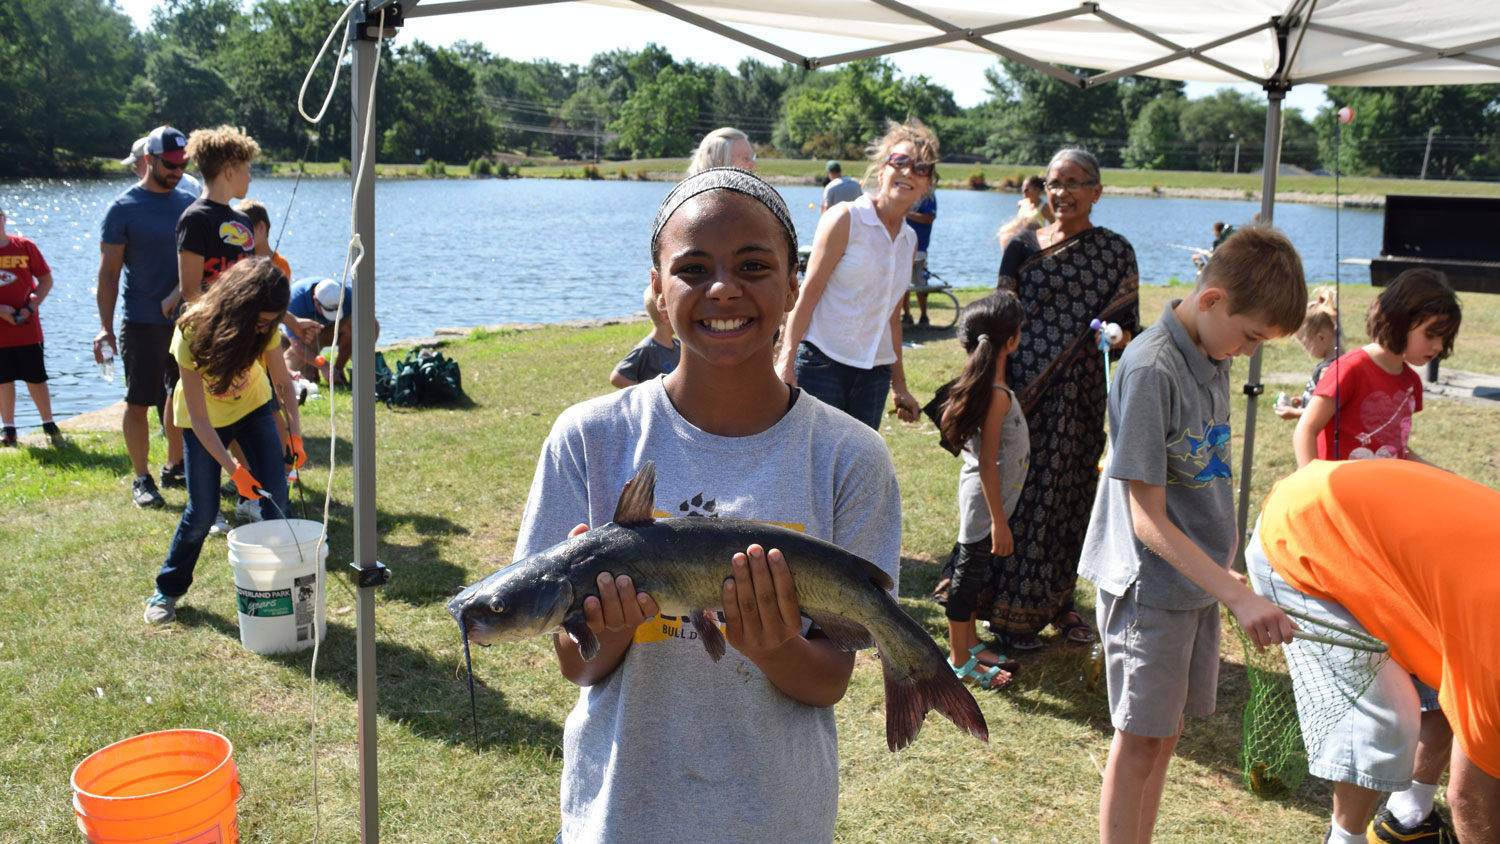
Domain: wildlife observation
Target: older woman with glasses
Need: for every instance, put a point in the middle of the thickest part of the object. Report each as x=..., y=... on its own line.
x=1076, y=272
x=842, y=341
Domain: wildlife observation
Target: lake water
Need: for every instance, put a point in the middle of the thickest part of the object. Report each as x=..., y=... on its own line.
x=482, y=252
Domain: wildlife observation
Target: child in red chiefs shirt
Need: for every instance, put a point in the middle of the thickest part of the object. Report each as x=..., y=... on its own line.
x=25, y=280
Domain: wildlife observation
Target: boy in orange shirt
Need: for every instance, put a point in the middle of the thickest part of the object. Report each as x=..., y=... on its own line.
x=1355, y=541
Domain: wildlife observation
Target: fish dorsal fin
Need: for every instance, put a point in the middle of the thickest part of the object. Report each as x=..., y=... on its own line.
x=637, y=498
x=877, y=575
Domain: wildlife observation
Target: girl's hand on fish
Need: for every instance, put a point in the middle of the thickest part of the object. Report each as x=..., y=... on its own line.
x=761, y=612
x=619, y=609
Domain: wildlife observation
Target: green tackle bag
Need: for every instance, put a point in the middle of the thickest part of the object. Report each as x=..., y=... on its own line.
x=424, y=377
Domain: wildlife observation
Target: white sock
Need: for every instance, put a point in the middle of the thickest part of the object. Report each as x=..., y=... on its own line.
x=1337, y=835
x=46, y=421
x=1412, y=806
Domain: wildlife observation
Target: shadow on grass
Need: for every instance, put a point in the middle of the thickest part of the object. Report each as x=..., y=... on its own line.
x=74, y=457
x=427, y=695
x=1057, y=671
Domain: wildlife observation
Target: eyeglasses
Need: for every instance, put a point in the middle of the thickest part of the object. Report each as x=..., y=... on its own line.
x=902, y=161
x=1070, y=187
x=169, y=165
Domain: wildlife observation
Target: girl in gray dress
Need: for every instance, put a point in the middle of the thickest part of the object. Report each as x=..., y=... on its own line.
x=983, y=415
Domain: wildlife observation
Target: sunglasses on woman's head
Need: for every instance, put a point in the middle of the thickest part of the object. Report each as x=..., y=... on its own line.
x=902, y=161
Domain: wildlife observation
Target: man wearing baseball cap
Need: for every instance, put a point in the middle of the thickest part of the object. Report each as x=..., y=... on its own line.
x=139, y=235
x=136, y=161
x=839, y=189
x=319, y=299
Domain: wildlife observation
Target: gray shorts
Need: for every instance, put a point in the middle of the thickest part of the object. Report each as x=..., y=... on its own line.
x=1160, y=664
x=1373, y=743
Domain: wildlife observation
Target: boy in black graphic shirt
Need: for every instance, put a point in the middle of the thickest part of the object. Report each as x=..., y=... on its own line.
x=211, y=236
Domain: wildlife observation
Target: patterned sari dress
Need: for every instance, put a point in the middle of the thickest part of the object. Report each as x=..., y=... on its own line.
x=1058, y=376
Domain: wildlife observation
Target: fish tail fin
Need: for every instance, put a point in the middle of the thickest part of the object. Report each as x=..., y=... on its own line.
x=923, y=684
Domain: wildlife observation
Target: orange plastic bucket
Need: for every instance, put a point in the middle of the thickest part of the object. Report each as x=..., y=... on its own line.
x=171, y=787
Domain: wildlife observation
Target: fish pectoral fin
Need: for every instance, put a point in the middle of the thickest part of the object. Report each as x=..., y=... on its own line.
x=877, y=575
x=706, y=623
x=637, y=498
x=578, y=630
x=848, y=635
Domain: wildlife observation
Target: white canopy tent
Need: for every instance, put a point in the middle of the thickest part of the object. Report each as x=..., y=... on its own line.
x=1274, y=44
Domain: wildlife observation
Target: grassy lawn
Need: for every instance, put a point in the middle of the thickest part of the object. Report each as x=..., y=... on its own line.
x=80, y=669
x=952, y=176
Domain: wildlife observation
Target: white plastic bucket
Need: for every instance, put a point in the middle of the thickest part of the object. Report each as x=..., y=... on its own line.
x=276, y=564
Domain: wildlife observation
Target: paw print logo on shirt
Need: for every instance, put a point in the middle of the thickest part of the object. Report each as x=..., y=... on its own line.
x=698, y=506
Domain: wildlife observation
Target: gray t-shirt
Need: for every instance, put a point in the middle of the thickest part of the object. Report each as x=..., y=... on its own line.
x=842, y=189
x=672, y=746
x=1014, y=458
x=1168, y=426
x=649, y=359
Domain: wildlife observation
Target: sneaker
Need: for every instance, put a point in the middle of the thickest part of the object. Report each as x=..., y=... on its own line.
x=144, y=493
x=8, y=436
x=906, y=319
x=221, y=525
x=173, y=477
x=160, y=609
x=229, y=490
x=922, y=322
x=54, y=434
x=1385, y=829
x=248, y=510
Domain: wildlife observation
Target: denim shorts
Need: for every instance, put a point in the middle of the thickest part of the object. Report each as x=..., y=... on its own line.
x=1160, y=664
x=1374, y=743
x=861, y=393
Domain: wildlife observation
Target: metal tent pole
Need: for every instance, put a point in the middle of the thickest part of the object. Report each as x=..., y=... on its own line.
x=1253, y=387
x=369, y=573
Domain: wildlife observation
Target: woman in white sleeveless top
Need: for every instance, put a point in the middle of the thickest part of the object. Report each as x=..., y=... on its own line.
x=842, y=341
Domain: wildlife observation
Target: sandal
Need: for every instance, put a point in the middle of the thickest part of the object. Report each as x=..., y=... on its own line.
x=1009, y=666
x=1023, y=642
x=970, y=672
x=1076, y=630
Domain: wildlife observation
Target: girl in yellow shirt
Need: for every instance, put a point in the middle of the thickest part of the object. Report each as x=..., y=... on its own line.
x=225, y=346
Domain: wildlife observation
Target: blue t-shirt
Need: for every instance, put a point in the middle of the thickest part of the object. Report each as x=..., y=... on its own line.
x=146, y=223
x=926, y=205
x=303, y=304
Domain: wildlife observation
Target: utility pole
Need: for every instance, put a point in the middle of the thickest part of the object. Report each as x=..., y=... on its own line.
x=596, y=137
x=1428, y=154
x=1236, y=152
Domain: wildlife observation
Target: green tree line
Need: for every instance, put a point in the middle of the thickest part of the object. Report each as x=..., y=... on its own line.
x=84, y=83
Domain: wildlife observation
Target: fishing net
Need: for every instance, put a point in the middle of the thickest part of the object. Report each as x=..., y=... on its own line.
x=1298, y=694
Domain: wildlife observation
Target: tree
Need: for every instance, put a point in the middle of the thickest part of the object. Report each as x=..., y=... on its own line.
x=434, y=108
x=660, y=116
x=837, y=115
x=184, y=92
x=69, y=66
x=1388, y=135
x=1214, y=124
x=1037, y=114
x=1155, y=137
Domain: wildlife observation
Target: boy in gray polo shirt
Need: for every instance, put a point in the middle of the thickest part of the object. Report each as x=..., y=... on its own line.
x=1163, y=529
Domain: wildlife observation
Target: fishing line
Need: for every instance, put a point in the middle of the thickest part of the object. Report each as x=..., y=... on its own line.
x=469, y=667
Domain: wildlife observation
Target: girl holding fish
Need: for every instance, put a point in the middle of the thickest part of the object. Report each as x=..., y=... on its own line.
x=225, y=345
x=983, y=418
x=665, y=743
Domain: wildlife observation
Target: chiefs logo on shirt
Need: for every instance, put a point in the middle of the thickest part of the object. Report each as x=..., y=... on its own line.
x=235, y=234
x=6, y=277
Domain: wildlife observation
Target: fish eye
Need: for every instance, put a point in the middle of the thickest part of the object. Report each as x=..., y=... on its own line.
x=496, y=605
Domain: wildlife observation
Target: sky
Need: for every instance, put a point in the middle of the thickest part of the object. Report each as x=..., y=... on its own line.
x=534, y=33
